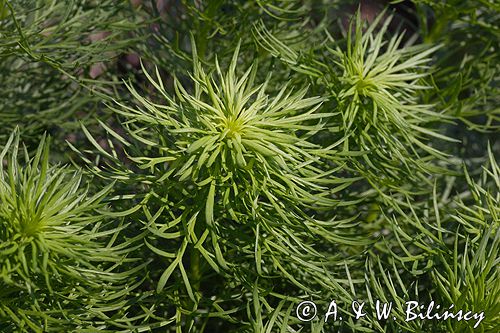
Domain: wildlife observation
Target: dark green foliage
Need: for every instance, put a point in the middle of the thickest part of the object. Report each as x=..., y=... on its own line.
x=52, y=47
x=213, y=164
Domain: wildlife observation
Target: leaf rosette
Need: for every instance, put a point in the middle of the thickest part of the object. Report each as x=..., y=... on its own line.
x=378, y=85
x=237, y=167
x=56, y=251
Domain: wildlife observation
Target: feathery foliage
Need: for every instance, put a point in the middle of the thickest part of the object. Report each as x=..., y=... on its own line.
x=214, y=164
x=57, y=252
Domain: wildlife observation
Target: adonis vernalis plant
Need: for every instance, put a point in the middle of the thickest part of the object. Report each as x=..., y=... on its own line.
x=249, y=166
x=57, y=254
x=238, y=174
x=378, y=93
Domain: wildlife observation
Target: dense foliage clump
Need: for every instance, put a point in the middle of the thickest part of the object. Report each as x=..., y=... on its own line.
x=208, y=166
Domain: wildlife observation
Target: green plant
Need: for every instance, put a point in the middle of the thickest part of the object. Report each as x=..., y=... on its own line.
x=52, y=47
x=60, y=264
x=237, y=172
x=378, y=90
x=216, y=164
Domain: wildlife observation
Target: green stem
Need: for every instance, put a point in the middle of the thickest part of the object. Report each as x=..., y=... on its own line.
x=3, y=9
x=437, y=29
x=210, y=12
x=195, y=270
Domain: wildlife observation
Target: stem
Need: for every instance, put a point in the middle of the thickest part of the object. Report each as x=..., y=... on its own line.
x=438, y=28
x=195, y=270
x=210, y=12
x=3, y=9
